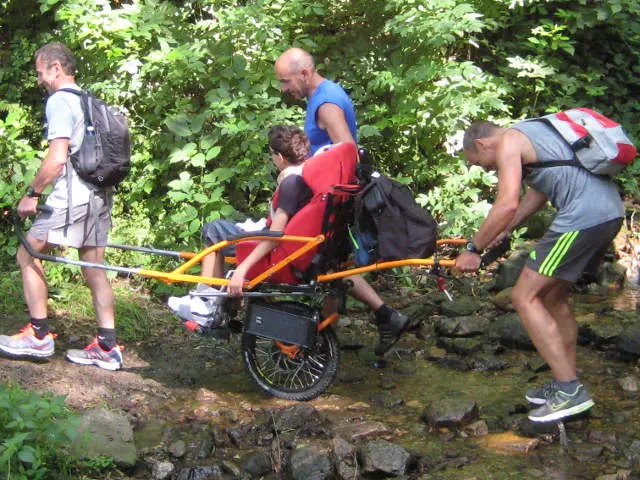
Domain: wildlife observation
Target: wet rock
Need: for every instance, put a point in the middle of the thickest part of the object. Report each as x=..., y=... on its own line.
x=600, y=330
x=537, y=364
x=619, y=475
x=460, y=307
x=629, y=340
x=460, y=326
x=586, y=453
x=461, y=346
x=220, y=438
x=111, y=436
x=602, y=436
x=436, y=353
x=502, y=299
x=311, y=463
x=454, y=413
x=611, y=275
x=385, y=400
x=487, y=363
x=302, y=417
x=162, y=470
x=405, y=368
x=508, y=330
x=257, y=464
x=523, y=426
x=358, y=406
x=250, y=435
x=633, y=453
x=347, y=471
x=477, y=429
x=178, y=449
x=201, y=473
x=420, y=310
x=424, y=332
x=200, y=448
x=454, y=362
x=509, y=442
x=509, y=270
x=343, y=449
x=231, y=468
x=629, y=384
x=358, y=431
x=380, y=457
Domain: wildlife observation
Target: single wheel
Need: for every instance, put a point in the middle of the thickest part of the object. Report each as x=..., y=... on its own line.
x=288, y=372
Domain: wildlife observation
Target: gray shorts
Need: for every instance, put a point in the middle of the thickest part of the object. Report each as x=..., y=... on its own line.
x=219, y=230
x=570, y=254
x=87, y=228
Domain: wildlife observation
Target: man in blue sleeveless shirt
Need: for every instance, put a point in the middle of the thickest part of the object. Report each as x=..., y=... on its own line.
x=331, y=119
x=575, y=243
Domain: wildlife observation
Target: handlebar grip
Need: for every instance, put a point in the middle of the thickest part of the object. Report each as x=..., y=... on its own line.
x=496, y=252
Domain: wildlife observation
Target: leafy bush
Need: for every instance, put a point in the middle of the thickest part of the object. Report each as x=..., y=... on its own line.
x=197, y=81
x=36, y=431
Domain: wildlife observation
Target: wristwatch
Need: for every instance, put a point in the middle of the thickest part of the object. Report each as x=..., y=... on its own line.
x=32, y=193
x=471, y=247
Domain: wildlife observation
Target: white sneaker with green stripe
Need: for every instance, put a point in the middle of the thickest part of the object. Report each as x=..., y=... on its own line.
x=561, y=404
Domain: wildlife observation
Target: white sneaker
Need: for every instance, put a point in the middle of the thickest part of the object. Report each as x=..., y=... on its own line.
x=183, y=305
x=197, y=307
x=201, y=307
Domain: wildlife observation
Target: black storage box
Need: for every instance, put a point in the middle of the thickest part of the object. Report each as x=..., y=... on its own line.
x=288, y=322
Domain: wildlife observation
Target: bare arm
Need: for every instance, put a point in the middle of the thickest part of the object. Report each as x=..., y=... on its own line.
x=50, y=169
x=530, y=204
x=331, y=118
x=509, y=166
x=279, y=221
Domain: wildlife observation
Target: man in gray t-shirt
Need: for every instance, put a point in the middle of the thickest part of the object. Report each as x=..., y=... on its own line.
x=77, y=217
x=575, y=243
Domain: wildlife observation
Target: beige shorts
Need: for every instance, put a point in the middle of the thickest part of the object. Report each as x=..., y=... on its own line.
x=86, y=228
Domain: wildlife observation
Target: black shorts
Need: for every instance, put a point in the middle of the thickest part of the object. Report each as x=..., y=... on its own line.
x=570, y=254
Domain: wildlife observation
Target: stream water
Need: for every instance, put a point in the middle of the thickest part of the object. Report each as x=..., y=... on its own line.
x=397, y=395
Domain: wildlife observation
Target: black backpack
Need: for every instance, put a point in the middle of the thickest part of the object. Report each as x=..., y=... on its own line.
x=104, y=158
x=389, y=224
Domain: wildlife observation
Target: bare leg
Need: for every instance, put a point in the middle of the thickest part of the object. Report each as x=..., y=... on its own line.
x=549, y=335
x=101, y=290
x=365, y=293
x=556, y=302
x=34, y=282
x=213, y=265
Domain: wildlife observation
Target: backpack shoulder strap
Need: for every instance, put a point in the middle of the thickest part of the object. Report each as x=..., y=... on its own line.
x=85, y=101
x=554, y=163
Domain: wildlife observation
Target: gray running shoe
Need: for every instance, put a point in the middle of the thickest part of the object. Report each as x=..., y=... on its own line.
x=539, y=395
x=561, y=405
x=391, y=331
x=93, y=354
x=25, y=344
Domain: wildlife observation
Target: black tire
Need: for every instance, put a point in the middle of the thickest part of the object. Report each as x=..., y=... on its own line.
x=302, y=378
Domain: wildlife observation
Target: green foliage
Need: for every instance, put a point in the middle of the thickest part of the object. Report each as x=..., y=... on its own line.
x=458, y=201
x=35, y=431
x=197, y=81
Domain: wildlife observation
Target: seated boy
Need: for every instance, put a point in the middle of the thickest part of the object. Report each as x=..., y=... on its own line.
x=289, y=148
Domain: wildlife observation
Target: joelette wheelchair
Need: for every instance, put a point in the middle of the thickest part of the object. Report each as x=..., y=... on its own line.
x=288, y=347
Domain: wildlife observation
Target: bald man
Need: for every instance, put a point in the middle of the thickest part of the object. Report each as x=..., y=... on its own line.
x=331, y=119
